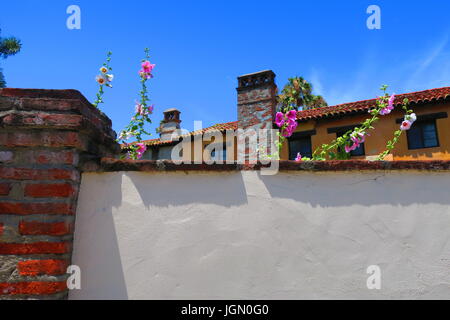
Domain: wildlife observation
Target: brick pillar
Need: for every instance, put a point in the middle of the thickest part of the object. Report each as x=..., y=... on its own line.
x=46, y=137
x=257, y=102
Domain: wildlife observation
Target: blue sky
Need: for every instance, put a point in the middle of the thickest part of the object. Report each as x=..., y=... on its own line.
x=200, y=47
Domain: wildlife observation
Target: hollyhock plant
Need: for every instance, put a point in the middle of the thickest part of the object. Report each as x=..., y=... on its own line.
x=142, y=110
x=103, y=79
x=341, y=147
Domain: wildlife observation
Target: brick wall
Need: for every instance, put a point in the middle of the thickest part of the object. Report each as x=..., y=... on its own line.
x=47, y=137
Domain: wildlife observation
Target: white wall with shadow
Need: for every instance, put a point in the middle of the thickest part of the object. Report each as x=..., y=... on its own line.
x=242, y=235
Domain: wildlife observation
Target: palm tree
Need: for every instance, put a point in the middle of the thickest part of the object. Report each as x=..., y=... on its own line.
x=297, y=94
x=8, y=47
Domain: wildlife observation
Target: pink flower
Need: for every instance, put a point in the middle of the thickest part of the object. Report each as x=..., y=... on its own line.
x=147, y=67
x=348, y=148
x=139, y=108
x=406, y=125
x=286, y=132
x=289, y=128
x=291, y=115
x=357, y=140
x=279, y=119
x=151, y=108
x=287, y=122
x=299, y=157
x=391, y=101
x=386, y=110
x=141, y=148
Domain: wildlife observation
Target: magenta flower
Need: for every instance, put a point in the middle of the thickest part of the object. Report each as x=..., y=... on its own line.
x=299, y=157
x=141, y=148
x=279, y=119
x=357, y=139
x=146, y=70
x=287, y=122
x=291, y=115
x=349, y=149
x=147, y=67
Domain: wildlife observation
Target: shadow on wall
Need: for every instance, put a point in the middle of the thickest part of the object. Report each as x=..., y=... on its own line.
x=221, y=189
x=96, y=236
x=364, y=189
x=96, y=247
x=242, y=235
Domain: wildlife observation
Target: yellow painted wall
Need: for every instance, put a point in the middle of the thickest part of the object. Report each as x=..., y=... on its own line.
x=375, y=143
x=384, y=130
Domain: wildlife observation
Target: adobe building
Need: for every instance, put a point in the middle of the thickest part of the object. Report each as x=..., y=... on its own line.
x=429, y=138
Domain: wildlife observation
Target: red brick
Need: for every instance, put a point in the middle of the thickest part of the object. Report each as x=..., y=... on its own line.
x=50, y=157
x=35, y=208
x=32, y=288
x=37, y=174
x=35, y=248
x=42, y=139
x=40, y=267
x=44, y=104
x=49, y=190
x=6, y=156
x=41, y=119
x=45, y=228
x=4, y=189
x=1, y=229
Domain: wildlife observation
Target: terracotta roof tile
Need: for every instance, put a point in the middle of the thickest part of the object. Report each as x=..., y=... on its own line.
x=220, y=127
x=432, y=95
x=426, y=96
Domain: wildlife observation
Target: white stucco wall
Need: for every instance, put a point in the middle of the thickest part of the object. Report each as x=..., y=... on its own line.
x=245, y=236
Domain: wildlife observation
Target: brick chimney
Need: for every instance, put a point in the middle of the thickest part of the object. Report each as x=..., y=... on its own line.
x=256, y=100
x=46, y=137
x=170, y=124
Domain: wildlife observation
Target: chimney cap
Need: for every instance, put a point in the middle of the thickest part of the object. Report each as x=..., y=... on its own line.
x=172, y=110
x=257, y=79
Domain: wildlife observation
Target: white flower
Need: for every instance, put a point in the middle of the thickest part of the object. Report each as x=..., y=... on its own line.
x=412, y=117
x=104, y=70
x=110, y=77
x=100, y=79
x=406, y=125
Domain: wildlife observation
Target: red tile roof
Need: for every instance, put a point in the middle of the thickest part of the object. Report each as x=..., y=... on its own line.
x=432, y=95
x=426, y=96
x=220, y=127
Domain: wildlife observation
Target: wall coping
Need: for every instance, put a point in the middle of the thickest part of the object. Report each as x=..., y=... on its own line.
x=114, y=165
x=53, y=94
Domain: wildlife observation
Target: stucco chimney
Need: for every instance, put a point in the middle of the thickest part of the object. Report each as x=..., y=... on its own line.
x=170, y=124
